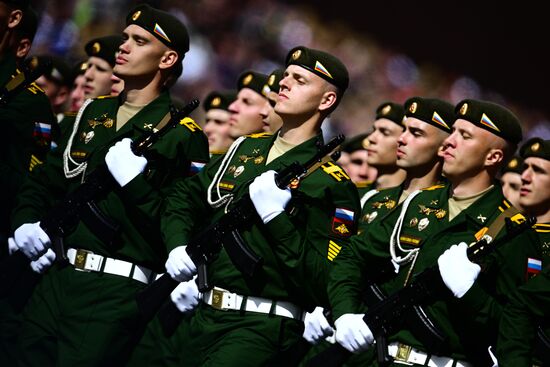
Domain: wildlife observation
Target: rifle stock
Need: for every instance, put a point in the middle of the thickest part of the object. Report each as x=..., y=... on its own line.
x=205, y=246
x=388, y=316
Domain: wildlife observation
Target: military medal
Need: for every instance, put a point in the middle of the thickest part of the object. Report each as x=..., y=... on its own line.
x=231, y=169
x=413, y=222
x=238, y=171
x=108, y=123
x=440, y=213
x=88, y=136
x=390, y=204
x=423, y=224
x=259, y=159
x=372, y=216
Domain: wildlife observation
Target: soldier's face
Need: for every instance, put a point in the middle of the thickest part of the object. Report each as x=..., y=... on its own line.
x=382, y=148
x=465, y=151
x=98, y=78
x=301, y=94
x=358, y=167
x=511, y=184
x=77, y=94
x=216, y=129
x=139, y=54
x=419, y=144
x=247, y=113
x=534, y=195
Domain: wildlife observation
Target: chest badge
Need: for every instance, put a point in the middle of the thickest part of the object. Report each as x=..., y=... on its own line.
x=481, y=218
x=238, y=171
x=423, y=224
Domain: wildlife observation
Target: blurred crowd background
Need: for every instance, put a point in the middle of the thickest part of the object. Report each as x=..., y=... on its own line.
x=230, y=36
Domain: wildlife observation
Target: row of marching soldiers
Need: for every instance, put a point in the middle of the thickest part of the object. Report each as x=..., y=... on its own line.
x=429, y=264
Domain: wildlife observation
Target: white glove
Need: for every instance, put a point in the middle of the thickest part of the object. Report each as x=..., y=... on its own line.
x=268, y=199
x=457, y=271
x=316, y=326
x=353, y=333
x=12, y=247
x=179, y=265
x=123, y=164
x=44, y=262
x=493, y=357
x=186, y=296
x=31, y=240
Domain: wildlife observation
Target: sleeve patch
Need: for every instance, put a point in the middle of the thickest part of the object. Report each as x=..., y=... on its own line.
x=342, y=222
x=196, y=167
x=333, y=250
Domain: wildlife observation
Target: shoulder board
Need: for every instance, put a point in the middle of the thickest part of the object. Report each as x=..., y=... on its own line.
x=335, y=171
x=434, y=187
x=70, y=114
x=189, y=123
x=504, y=205
x=259, y=135
x=107, y=96
x=35, y=89
x=542, y=227
x=362, y=184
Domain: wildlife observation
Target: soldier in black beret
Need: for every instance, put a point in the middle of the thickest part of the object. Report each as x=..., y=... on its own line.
x=114, y=250
x=535, y=188
x=510, y=179
x=216, y=126
x=101, y=53
x=354, y=160
x=56, y=82
x=76, y=98
x=251, y=107
x=294, y=245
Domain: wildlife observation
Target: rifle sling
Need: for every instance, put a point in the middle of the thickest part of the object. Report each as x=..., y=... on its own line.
x=164, y=121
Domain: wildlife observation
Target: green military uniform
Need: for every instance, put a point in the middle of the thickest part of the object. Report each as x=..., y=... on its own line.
x=527, y=308
x=61, y=303
x=297, y=248
x=28, y=121
x=416, y=241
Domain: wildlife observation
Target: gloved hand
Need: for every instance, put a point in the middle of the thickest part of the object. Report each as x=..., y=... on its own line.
x=31, y=240
x=457, y=271
x=123, y=164
x=316, y=326
x=12, y=247
x=179, y=265
x=353, y=333
x=268, y=199
x=44, y=262
x=186, y=296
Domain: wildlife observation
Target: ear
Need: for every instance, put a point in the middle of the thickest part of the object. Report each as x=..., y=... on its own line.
x=494, y=157
x=23, y=48
x=328, y=100
x=168, y=59
x=15, y=18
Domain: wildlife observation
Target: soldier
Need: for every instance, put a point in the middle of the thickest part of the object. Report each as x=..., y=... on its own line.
x=357, y=167
x=101, y=61
x=528, y=307
x=216, y=105
x=297, y=244
x=85, y=313
x=427, y=123
x=76, y=98
x=250, y=108
x=56, y=82
x=510, y=179
x=483, y=138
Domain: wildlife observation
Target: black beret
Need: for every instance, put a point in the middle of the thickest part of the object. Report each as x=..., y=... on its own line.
x=491, y=117
x=79, y=68
x=105, y=48
x=219, y=99
x=253, y=80
x=514, y=165
x=273, y=79
x=535, y=147
x=28, y=25
x=434, y=111
x=320, y=63
x=18, y=4
x=59, y=71
x=164, y=26
x=391, y=111
x=358, y=142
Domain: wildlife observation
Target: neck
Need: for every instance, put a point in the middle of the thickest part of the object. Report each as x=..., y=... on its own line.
x=471, y=185
x=422, y=177
x=541, y=213
x=142, y=91
x=296, y=132
x=390, y=177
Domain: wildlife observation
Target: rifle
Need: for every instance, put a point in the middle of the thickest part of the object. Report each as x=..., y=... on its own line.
x=62, y=218
x=31, y=70
x=388, y=316
x=205, y=246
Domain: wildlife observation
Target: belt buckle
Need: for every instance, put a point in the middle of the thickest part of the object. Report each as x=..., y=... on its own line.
x=80, y=259
x=403, y=352
x=217, y=299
